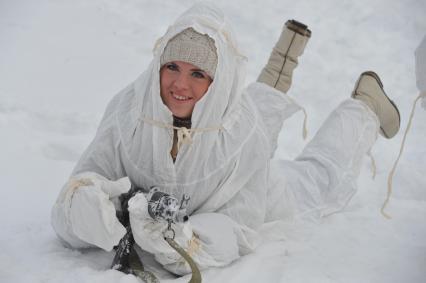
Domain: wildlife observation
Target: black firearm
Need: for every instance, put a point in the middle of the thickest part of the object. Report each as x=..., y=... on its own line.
x=161, y=206
x=121, y=259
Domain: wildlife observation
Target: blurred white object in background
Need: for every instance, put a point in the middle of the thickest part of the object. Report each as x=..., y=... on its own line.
x=420, y=55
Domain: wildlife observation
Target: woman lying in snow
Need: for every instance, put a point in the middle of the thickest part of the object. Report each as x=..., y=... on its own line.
x=188, y=126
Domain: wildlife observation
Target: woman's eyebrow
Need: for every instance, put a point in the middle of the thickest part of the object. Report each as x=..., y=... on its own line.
x=197, y=70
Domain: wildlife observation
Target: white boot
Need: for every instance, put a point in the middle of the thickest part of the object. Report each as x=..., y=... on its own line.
x=369, y=89
x=278, y=72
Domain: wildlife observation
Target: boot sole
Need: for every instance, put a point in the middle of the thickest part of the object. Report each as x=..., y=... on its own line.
x=376, y=77
x=299, y=28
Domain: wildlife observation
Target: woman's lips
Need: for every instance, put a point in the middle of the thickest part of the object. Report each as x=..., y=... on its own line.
x=180, y=98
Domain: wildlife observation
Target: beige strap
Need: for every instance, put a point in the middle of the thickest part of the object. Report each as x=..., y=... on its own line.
x=74, y=184
x=373, y=165
x=392, y=172
x=184, y=134
x=194, y=244
x=305, y=119
x=196, y=274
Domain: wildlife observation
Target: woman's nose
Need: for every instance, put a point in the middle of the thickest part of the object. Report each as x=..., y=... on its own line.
x=181, y=81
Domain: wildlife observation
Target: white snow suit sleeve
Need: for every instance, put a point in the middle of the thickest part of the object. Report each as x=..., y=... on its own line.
x=84, y=214
x=247, y=211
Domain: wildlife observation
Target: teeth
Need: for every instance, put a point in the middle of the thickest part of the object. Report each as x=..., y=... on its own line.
x=178, y=97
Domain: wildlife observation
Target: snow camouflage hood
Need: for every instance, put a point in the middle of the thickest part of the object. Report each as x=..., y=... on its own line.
x=224, y=93
x=219, y=163
x=211, y=151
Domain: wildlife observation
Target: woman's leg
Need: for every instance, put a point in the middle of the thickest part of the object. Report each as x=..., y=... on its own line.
x=323, y=178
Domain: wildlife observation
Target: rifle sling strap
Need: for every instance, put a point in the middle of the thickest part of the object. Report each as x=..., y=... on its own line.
x=196, y=275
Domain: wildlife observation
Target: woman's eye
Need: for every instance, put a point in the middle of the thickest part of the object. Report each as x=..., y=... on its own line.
x=199, y=75
x=172, y=67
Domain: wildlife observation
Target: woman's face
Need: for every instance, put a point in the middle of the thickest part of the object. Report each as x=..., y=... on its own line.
x=182, y=85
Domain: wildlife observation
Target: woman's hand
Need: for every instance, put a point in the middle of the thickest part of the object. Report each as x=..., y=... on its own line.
x=149, y=233
x=84, y=212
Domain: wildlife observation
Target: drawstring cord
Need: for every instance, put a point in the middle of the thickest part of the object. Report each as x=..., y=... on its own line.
x=392, y=172
x=373, y=165
x=184, y=134
x=305, y=118
x=305, y=121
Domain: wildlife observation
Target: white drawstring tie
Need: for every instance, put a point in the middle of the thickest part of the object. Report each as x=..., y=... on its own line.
x=184, y=134
x=392, y=172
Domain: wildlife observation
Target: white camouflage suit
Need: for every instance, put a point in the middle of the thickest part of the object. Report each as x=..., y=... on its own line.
x=227, y=170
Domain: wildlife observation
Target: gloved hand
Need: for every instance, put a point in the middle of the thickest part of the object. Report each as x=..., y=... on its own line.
x=278, y=72
x=148, y=232
x=210, y=245
x=420, y=55
x=199, y=236
x=85, y=206
x=202, y=240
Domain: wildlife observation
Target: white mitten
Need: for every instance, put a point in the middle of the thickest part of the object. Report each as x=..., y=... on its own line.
x=148, y=232
x=218, y=237
x=420, y=54
x=214, y=244
x=84, y=211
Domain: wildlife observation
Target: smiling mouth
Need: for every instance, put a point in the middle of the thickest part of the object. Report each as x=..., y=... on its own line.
x=180, y=97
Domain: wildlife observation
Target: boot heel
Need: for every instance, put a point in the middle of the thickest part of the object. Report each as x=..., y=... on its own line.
x=374, y=75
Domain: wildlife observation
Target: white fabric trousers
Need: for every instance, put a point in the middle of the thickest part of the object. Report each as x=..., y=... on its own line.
x=322, y=179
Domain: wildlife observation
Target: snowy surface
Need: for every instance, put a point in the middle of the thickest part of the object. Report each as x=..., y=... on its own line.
x=61, y=61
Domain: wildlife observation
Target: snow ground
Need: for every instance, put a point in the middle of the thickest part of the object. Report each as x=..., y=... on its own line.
x=61, y=61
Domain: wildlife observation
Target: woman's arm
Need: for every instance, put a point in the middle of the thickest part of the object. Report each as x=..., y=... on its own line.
x=84, y=214
x=213, y=239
